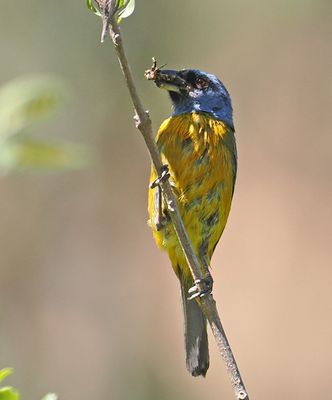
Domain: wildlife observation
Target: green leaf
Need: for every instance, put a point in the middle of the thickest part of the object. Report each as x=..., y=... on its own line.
x=50, y=396
x=9, y=393
x=127, y=7
x=92, y=7
x=5, y=372
x=33, y=154
x=28, y=101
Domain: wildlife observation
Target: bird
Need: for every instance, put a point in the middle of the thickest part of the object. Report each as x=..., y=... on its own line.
x=198, y=149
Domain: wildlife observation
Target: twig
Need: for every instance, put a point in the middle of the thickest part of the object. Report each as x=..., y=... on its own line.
x=207, y=303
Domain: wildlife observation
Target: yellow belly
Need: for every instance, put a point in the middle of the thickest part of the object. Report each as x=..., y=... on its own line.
x=201, y=154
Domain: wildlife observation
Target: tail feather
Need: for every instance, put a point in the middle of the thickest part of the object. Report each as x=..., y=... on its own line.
x=196, y=339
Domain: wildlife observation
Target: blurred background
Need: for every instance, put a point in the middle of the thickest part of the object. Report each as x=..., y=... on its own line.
x=89, y=307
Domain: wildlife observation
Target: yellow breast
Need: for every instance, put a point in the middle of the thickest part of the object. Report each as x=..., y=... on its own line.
x=201, y=154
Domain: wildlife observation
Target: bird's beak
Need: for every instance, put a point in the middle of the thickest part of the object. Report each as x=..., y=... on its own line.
x=170, y=80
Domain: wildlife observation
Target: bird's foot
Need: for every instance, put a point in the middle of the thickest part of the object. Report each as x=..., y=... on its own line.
x=201, y=287
x=161, y=221
x=161, y=178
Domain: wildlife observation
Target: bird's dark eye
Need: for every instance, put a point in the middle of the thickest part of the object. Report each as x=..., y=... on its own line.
x=201, y=83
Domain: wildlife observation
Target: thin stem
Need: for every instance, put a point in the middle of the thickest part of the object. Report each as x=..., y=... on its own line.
x=209, y=308
x=207, y=303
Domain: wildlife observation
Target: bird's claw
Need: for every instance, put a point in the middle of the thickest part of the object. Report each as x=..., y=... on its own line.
x=161, y=222
x=161, y=178
x=161, y=219
x=201, y=287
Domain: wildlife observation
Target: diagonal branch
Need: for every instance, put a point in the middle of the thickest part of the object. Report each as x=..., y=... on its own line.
x=207, y=303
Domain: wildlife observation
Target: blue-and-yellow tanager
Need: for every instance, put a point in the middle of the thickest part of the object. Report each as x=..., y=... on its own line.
x=197, y=144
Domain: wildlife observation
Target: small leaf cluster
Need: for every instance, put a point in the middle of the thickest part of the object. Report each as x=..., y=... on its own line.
x=124, y=8
x=10, y=393
x=24, y=104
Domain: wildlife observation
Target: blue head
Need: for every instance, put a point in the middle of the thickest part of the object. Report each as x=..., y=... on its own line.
x=194, y=90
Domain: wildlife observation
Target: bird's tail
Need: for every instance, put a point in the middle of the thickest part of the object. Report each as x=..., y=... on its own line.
x=196, y=340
